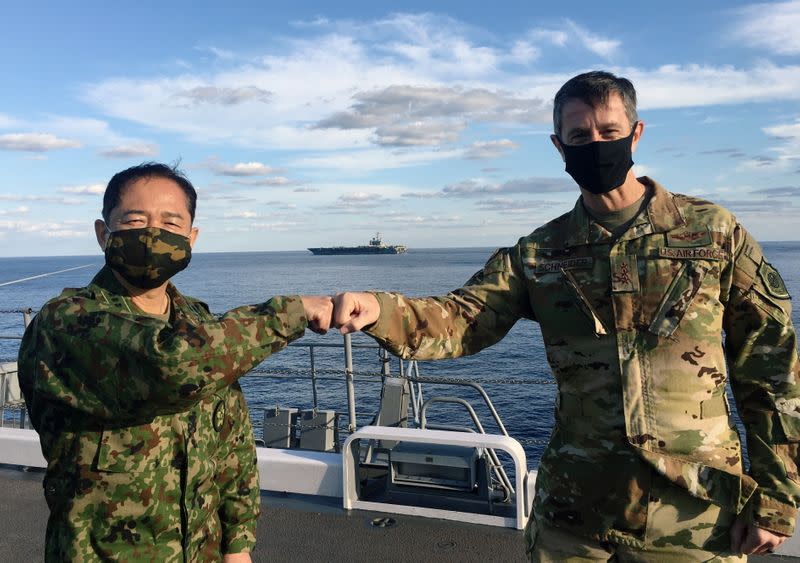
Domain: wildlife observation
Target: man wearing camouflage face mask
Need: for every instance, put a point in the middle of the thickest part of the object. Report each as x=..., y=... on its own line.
x=133, y=390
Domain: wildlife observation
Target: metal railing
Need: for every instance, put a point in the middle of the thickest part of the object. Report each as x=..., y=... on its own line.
x=315, y=374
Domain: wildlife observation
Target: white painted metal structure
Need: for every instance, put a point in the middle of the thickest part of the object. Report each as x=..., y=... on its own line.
x=350, y=453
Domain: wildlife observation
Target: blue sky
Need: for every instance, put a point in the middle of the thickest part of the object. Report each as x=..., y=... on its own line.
x=320, y=123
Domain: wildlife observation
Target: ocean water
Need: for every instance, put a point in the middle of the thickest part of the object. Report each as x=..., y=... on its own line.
x=226, y=280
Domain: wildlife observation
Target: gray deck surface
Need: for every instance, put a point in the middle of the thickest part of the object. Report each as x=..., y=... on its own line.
x=288, y=530
x=294, y=530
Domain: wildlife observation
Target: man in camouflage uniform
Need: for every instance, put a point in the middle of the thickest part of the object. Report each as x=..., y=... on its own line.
x=633, y=289
x=133, y=390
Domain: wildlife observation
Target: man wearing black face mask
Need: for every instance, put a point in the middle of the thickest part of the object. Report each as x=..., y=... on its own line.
x=633, y=289
x=133, y=390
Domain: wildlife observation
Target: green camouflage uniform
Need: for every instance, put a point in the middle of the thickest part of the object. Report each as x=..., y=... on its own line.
x=633, y=332
x=143, y=425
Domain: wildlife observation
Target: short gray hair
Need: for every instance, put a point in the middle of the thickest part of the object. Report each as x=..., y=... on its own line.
x=594, y=88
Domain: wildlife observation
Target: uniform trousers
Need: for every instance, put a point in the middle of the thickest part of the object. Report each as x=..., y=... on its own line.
x=680, y=528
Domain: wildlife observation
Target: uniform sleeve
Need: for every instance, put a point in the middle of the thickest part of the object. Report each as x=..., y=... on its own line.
x=114, y=366
x=460, y=323
x=237, y=477
x=761, y=346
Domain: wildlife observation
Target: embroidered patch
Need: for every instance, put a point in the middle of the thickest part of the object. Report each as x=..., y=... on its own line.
x=624, y=274
x=772, y=280
x=688, y=239
x=693, y=253
x=551, y=266
x=218, y=418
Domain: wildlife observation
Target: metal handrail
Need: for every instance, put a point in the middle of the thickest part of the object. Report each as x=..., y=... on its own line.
x=475, y=386
x=497, y=465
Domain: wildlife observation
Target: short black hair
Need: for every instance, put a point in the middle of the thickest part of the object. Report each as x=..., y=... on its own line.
x=122, y=180
x=594, y=88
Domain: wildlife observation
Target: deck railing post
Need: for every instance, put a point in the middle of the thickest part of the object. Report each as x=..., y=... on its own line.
x=313, y=376
x=351, y=392
x=26, y=316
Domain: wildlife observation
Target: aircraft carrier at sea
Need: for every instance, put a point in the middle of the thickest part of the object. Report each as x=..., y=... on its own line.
x=375, y=246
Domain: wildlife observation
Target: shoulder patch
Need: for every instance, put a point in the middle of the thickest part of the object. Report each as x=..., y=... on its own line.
x=773, y=282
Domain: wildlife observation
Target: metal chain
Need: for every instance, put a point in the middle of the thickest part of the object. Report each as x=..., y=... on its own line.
x=10, y=311
x=532, y=441
x=426, y=379
x=298, y=426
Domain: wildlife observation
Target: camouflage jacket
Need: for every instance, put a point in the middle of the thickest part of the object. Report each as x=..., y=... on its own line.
x=143, y=425
x=633, y=333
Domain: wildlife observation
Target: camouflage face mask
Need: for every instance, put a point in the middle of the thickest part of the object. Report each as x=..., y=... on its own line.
x=147, y=257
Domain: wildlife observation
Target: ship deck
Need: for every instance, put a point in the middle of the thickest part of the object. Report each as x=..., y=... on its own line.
x=296, y=528
x=291, y=528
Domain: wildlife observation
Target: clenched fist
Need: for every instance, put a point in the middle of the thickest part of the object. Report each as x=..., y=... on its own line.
x=353, y=311
x=319, y=312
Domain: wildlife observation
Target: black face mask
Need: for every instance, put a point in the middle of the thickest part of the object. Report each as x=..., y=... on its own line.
x=600, y=166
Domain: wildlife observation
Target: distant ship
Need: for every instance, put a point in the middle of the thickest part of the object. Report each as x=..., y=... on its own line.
x=375, y=246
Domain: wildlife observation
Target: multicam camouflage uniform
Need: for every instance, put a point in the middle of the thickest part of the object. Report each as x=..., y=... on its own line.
x=633, y=332
x=145, y=431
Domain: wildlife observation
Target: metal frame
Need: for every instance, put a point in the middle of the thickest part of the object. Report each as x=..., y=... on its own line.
x=351, y=460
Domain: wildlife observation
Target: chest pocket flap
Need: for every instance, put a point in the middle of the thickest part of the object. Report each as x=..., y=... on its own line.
x=679, y=296
x=133, y=449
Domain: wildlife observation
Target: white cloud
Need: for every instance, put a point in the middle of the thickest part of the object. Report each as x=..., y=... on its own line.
x=406, y=80
x=240, y=169
x=480, y=188
x=786, y=131
x=523, y=52
x=270, y=181
x=217, y=52
x=676, y=86
x=130, y=151
x=355, y=202
x=47, y=229
x=224, y=95
x=73, y=132
x=241, y=215
x=42, y=198
x=514, y=206
x=21, y=210
x=481, y=150
x=35, y=142
x=413, y=115
x=364, y=161
x=772, y=26
x=93, y=189
x=786, y=154
x=277, y=225
x=602, y=46
x=553, y=36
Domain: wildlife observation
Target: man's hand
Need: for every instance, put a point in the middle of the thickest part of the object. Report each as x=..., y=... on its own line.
x=353, y=311
x=319, y=312
x=236, y=558
x=749, y=539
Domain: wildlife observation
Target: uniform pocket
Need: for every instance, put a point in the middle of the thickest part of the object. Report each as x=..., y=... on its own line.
x=583, y=303
x=132, y=449
x=678, y=299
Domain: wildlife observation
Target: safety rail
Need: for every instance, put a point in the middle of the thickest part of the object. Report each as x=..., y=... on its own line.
x=314, y=373
x=497, y=466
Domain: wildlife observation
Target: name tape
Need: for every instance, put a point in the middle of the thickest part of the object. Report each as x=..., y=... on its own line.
x=558, y=265
x=699, y=252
